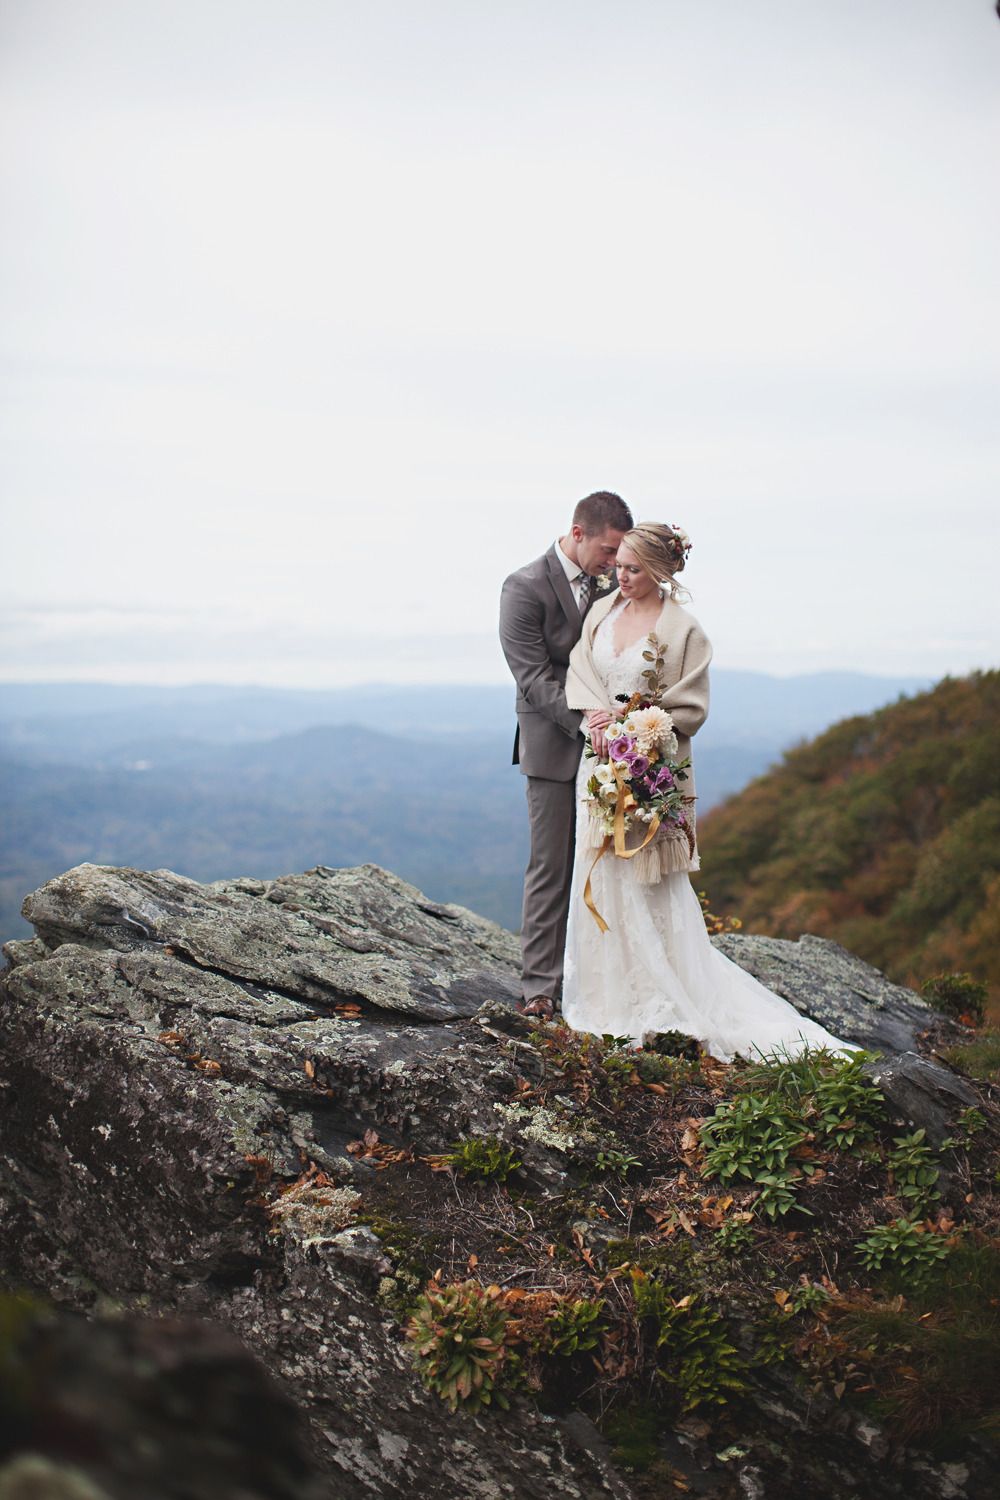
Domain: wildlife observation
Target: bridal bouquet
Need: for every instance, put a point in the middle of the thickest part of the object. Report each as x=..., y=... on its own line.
x=640, y=782
x=638, y=788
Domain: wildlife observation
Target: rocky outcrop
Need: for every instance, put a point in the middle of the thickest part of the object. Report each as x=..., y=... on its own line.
x=834, y=987
x=172, y=1053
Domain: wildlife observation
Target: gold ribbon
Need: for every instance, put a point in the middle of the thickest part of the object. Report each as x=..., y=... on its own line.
x=617, y=842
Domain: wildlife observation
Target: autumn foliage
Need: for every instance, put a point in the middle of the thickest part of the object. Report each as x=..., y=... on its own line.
x=883, y=833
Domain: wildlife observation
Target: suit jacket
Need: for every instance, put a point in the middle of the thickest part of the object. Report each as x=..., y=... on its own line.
x=540, y=623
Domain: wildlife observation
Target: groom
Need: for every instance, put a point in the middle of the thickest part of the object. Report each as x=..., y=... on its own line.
x=542, y=608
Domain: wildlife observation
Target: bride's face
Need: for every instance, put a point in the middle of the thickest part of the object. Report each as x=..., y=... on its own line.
x=633, y=580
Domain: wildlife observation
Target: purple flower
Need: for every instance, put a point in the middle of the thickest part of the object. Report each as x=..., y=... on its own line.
x=638, y=764
x=664, y=779
x=619, y=748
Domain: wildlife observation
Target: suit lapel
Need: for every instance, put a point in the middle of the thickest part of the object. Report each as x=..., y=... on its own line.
x=559, y=581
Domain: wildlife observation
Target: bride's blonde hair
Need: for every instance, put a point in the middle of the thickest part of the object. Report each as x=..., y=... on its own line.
x=661, y=552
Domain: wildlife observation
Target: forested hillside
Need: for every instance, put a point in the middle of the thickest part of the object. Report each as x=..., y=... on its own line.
x=883, y=833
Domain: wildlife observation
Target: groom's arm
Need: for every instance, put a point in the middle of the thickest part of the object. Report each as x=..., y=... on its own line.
x=522, y=637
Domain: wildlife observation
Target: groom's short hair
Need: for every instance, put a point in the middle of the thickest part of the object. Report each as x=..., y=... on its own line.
x=598, y=512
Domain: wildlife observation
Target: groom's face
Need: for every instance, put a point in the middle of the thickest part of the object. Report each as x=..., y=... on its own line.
x=597, y=553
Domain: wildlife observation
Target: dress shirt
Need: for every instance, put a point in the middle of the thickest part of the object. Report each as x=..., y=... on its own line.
x=578, y=578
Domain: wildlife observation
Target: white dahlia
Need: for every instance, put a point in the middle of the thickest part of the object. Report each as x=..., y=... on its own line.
x=654, y=730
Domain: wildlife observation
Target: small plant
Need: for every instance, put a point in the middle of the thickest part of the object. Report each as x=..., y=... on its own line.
x=696, y=1357
x=671, y=1073
x=573, y=1325
x=457, y=1334
x=483, y=1158
x=848, y=1105
x=616, y=1163
x=913, y=1170
x=957, y=995
x=672, y=1044
x=793, y=1107
x=808, y=1296
x=832, y=1093
x=905, y=1249
x=753, y=1137
x=734, y=1236
x=775, y=1196
x=968, y=1125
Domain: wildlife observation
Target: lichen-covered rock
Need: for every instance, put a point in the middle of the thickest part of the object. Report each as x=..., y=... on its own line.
x=830, y=985
x=328, y=936
x=198, y=1082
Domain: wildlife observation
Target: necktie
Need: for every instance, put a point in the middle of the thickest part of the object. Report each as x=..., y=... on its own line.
x=584, y=584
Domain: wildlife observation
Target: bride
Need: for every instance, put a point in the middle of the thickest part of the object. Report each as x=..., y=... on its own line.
x=638, y=957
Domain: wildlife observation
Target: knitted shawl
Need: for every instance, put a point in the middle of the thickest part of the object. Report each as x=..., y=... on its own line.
x=687, y=653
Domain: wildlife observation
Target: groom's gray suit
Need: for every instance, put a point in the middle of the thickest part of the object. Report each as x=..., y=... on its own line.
x=540, y=623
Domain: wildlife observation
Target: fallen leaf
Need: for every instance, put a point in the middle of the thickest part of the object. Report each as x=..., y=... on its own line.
x=309, y=1068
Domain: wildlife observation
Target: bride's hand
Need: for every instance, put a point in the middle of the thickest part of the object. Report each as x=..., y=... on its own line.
x=597, y=723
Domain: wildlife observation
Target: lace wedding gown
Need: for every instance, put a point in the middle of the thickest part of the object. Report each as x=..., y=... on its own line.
x=655, y=968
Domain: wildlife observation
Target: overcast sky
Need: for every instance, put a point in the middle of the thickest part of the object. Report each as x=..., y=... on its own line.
x=317, y=317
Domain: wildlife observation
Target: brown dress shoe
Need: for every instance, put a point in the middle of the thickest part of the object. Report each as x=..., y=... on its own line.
x=541, y=1006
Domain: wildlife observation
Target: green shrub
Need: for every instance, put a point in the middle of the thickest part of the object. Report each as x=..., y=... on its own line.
x=957, y=995
x=765, y=1134
x=807, y=1297
x=734, y=1236
x=616, y=1163
x=905, y=1250
x=572, y=1326
x=831, y=1093
x=673, y=1073
x=753, y=1137
x=914, y=1171
x=695, y=1355
x=457, y=1334
x=484, y=1158
x=933, y=1358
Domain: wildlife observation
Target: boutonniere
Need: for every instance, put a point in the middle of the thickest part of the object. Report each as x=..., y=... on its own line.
x=603, y=581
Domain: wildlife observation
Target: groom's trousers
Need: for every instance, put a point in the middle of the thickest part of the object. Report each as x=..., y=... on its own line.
x=552, y=815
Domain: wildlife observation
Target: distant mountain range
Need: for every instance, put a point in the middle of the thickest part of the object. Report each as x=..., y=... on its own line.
x=219, y=781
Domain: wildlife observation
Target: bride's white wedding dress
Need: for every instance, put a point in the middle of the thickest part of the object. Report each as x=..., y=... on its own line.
x=655, y=968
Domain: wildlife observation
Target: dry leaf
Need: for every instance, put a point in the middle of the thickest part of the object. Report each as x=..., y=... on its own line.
x=309, y=1068
x=171, y=1038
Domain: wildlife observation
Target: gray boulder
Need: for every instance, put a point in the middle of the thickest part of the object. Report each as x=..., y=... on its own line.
x=830, y=985
x=171, y=1053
